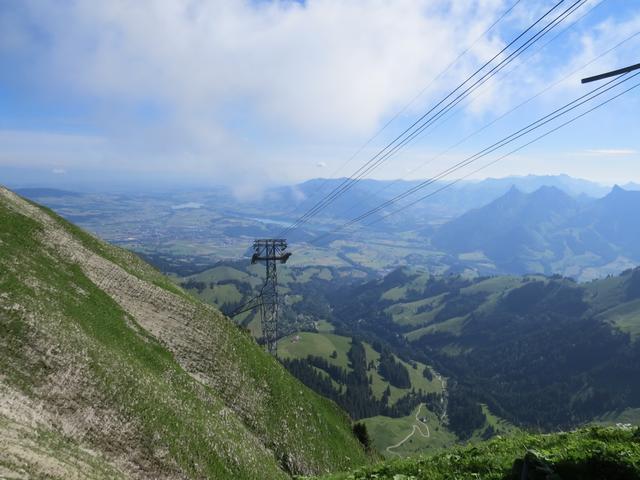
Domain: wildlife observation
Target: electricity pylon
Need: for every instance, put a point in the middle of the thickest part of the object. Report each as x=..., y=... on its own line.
x=270, y=251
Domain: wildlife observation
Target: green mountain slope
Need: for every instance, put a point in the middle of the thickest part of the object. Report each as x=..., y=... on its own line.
x=541, y=352
x=547, y=231
x=536, y=351
x=107, y=370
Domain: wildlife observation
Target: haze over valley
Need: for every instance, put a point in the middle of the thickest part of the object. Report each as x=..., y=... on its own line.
x=320, y=240
x=513, y=225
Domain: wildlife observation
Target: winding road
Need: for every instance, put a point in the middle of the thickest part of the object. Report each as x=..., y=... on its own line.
x=419, y=424
x=417, y=427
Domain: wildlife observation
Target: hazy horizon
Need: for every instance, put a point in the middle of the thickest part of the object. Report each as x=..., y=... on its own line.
x=251, y=94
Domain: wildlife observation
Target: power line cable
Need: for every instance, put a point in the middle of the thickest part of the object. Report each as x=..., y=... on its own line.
x=490, y=149
x=497, y=119
x=348, y=183
x=412, y=101
x=402, y=139
x=555, y=129
x=448, y=108
x=501, y=143
x=367, y=167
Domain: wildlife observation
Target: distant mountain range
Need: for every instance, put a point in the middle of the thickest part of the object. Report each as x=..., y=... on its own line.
x=549, y=231
x=453, y=201
x=530, y=224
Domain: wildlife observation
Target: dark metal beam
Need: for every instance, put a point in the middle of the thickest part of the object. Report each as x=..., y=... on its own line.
x=611, y=74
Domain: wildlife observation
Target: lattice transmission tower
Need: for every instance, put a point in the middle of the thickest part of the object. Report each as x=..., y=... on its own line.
x=269, y=251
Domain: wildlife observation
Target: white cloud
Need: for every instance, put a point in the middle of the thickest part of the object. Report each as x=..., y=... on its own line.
x=224, y=89
x=219, y=76
x=51, y=150
x=611, y=152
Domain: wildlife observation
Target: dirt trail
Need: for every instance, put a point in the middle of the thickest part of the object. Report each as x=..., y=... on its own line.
x=417, y=427
x=419, y=424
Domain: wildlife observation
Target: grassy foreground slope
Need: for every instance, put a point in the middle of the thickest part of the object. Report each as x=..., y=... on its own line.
x=109, y=371
x=589, y=454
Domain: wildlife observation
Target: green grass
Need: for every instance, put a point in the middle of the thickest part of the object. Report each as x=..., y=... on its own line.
x=127, y=260
x=306, y=274
x=131, y=368
x=323, y=326
x=221, y=294
x=493, y=285
x=130, y=372
x=386, y=432
x=46, y=451
x=589, y=454
x=626, y=317
x=220, y=273
x=418, y=381
x=627, y=416
x=394, y=294
x=302, y=344
x=452, y=326
x=499, y=425
x=405, y=313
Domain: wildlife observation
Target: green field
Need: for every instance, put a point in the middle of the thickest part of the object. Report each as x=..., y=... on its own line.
x=387, y=432
x=629, y=416
x=406, y=313
x=626, y=317
x=418, y=381
x=384, y=431
x=453, y=326
x=303, y=344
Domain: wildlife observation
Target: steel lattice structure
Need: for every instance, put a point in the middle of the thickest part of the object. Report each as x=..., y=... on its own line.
x=270, y=251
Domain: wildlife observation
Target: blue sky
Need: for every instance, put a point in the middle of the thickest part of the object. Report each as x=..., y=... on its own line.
x=255, y=93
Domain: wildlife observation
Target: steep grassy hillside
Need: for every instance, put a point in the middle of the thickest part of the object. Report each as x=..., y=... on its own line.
x=590, y=454
x=107, y=370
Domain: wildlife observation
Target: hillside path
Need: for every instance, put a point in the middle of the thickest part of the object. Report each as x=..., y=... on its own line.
x=417, y=427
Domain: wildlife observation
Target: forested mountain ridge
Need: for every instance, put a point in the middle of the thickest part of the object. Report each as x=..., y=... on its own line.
x=108, y=370
x=541, y=352
x=548, y=231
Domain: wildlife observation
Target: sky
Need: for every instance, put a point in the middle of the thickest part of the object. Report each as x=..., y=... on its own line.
x=255, y=93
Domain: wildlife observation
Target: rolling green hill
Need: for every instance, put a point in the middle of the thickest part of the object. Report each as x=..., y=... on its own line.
x=538, y=351
x=303, y=344
x=541, y=352
x=108, y=370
